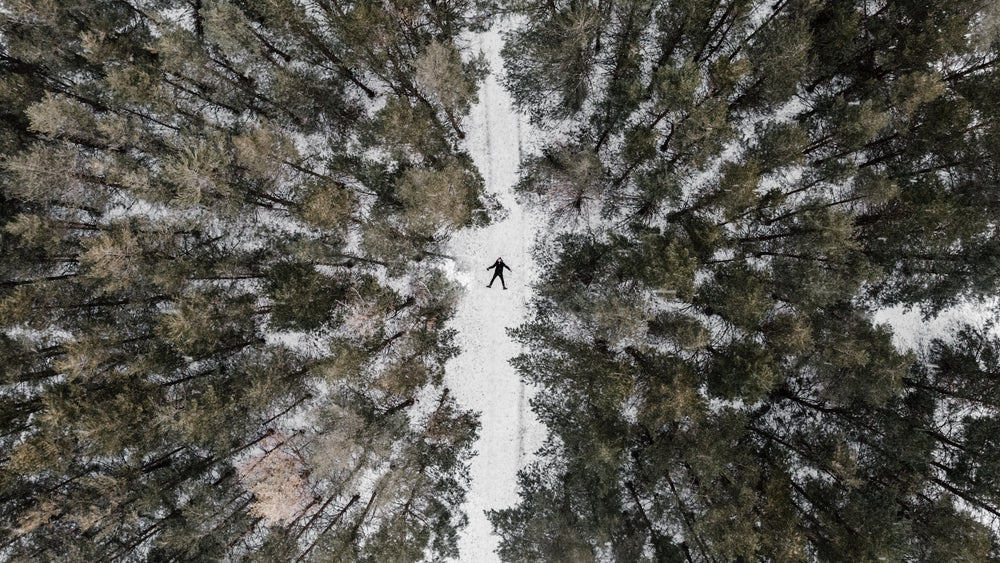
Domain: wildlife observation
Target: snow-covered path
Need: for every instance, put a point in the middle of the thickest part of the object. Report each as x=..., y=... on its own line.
x=481, y=377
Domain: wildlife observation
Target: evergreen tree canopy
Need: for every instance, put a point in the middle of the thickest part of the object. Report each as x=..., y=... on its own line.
x=214, y=330
x=735, y=188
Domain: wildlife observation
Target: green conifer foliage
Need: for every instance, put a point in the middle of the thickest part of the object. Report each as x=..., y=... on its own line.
x=761, y=177
x=202, y=355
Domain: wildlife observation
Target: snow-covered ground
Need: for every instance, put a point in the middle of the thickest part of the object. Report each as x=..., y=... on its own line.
x=481, y=377
x=911, y=331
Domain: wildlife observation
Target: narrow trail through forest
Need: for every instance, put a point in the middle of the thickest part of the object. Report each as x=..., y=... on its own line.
x=481, y=377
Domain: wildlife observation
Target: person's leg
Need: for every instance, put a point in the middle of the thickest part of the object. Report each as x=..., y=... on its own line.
x=495, y=274
x=500, y=273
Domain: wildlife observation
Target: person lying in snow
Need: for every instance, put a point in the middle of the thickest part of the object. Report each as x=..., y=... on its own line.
x=498, y=272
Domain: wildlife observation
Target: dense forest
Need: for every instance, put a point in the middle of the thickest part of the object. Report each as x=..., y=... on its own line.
x=735, y=188
x=224, y=321
x=215, y=339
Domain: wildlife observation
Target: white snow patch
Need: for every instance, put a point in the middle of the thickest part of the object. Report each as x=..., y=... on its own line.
x=309, y=344
x=911, y=331
x=481, y=377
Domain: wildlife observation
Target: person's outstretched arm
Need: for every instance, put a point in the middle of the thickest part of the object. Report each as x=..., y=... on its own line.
x=506, y=266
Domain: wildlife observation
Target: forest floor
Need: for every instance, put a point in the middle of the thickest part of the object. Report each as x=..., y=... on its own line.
x=910, y=330
x=481, y=377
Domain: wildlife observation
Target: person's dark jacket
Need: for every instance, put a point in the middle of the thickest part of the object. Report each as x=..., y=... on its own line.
x=499, y=267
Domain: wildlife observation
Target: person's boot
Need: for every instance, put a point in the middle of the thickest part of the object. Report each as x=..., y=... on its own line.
x=491, y=285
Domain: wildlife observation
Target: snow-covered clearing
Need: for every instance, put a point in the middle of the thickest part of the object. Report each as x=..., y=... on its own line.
x=481, y=377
